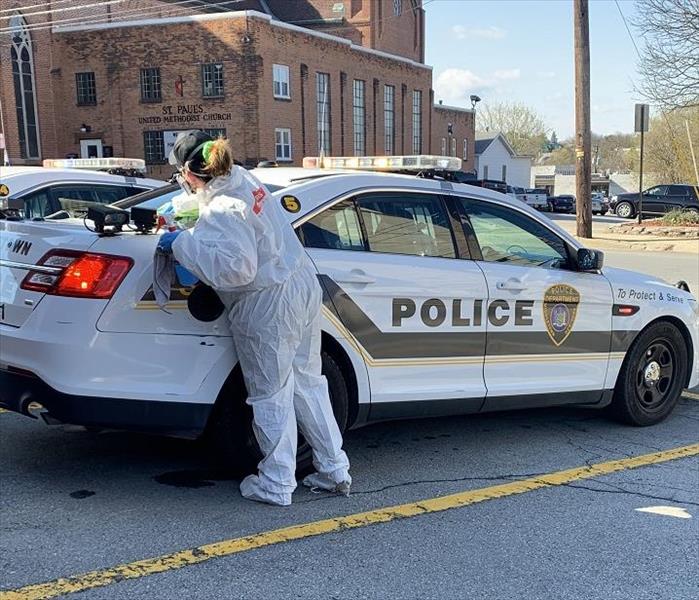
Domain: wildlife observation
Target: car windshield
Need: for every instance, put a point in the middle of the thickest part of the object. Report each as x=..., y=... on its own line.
x=154, y=199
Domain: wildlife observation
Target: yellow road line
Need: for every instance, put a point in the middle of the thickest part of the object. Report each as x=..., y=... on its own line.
x=692, y=395
x=200, y=554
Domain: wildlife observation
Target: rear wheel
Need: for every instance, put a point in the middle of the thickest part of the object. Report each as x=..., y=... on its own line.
x=624, y=210
x=652, y=377
x=230, y=431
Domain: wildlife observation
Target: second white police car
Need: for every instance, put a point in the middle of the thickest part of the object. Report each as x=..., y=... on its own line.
x=440, y=298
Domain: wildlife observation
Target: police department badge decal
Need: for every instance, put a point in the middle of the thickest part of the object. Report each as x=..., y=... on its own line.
x=560, y=309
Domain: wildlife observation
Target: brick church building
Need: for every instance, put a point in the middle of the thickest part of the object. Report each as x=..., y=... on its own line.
x=282, y=79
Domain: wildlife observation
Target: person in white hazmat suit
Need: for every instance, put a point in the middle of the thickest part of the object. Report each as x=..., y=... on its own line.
x=243, y=247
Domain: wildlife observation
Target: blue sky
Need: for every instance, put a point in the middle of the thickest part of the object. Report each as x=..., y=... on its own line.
x=522, y=50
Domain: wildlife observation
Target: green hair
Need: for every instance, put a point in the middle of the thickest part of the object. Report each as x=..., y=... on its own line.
x=206, y=151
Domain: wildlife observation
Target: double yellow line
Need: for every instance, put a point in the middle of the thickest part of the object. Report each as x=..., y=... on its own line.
x=200, y=554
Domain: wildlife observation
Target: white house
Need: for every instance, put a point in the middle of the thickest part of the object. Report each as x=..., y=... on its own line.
x=495, y=159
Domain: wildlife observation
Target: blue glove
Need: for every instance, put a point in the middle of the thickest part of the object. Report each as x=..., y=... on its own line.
x=166, y=239
x=185, y=277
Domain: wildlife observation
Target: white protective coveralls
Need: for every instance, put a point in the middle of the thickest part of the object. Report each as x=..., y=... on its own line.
x=243, y=247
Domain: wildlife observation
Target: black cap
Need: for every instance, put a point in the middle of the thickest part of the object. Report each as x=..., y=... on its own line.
x=188, y=148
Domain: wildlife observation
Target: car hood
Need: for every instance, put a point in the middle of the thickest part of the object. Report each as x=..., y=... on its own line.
x=622, y=278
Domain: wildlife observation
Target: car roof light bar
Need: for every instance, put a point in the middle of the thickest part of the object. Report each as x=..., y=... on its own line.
x=417, y=163
x=135, y=164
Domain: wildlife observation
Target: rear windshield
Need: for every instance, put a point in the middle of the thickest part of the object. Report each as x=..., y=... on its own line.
x=154, y=199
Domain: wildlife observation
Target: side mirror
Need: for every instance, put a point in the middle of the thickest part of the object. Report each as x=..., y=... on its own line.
x=589, y=260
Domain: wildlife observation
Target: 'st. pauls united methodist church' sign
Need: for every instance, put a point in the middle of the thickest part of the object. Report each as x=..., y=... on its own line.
x=183, y=113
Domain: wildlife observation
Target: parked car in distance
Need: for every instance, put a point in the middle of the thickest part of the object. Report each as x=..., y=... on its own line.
x=537, y=198
x=68, y=190
x=564, y=203
x=657, y=200
x=517, y=192
x=600, y=205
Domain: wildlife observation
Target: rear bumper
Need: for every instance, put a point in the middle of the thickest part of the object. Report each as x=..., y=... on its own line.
x=181, y=419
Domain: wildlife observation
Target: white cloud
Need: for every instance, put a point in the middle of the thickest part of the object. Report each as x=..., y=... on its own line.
x=507, y=74
x=455, y=85
x=545, y=74
x=491, y=32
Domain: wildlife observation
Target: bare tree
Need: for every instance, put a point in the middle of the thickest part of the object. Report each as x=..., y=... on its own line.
x=669, y=64
x=524, y=129
x=668, y=152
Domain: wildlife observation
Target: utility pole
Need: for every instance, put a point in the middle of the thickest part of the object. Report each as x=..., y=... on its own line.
x=583, y=143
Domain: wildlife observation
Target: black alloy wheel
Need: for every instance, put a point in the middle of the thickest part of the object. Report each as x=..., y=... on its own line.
x=652, y=376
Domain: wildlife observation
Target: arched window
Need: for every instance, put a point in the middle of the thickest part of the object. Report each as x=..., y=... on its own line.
x=25, y=88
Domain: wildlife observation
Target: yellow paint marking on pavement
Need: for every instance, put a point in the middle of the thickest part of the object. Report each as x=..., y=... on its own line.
x=2, y=410
x=691, y=395
x=200, y=554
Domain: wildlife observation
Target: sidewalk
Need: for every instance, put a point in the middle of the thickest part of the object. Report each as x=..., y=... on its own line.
x=605, y=239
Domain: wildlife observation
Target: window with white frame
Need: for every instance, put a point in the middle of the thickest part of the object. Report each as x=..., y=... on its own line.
x=417, y=122
x=444, y=147
x=282, y=144
x=389, y=107
x=485, y=172
x=453, y=146
x=212, y=80
x=22, y=57
x=465, y=156
x=323, y=109
x=397, y=7
x=280, y=76
x=359, y=118
x=504, y=173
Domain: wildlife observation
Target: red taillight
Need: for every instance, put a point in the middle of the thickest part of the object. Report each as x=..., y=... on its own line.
x=81, y=275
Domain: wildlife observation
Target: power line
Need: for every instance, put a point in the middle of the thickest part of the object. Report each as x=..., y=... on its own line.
x=623, y=18
x=79, y=7
x=38, y=5
x=96, y=20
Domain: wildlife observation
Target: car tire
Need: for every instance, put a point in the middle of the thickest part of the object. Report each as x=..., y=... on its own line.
x=230, y=433
x=652, y=377
x=624, y=210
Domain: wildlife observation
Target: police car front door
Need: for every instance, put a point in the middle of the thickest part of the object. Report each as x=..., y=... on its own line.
x=413, y=308
x=548, y=327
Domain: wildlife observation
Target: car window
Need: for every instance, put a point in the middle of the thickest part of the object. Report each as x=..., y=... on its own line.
x=678, y=190
x=404, y=223
x=37, y=204
x=75, y=200
x=658, y=190
x=508, y=236
x=335, y=228
x=107, y=194
x=152, y=203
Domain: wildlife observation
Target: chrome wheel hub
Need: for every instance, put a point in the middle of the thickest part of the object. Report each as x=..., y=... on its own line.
x=651, y=374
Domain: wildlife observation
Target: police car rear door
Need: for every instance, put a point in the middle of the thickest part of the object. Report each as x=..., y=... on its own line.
x=548, y=326
x=390, y=264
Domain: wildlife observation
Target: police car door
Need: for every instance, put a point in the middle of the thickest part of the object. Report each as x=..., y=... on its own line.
x=397, y=281
x=548, y=327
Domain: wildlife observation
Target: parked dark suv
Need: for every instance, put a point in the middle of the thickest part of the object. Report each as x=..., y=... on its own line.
x=657, y=200
x=562, y=204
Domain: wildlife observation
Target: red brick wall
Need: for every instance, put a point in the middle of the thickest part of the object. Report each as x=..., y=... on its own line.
x=463, y=127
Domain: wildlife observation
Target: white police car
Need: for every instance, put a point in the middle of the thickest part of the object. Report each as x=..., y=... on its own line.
x=440, y=298
x=67, y=187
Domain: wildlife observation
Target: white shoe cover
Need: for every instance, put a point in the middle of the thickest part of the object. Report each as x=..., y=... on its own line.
x=324, y=482
x=251, y=489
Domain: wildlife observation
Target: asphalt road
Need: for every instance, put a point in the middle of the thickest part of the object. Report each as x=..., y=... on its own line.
x=74, y=501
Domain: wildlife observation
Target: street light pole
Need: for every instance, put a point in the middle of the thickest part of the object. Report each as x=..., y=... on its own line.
x=583, y=142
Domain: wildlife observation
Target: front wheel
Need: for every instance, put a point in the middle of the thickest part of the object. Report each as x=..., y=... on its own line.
x=652, y=377
x=624, y=210
x=230, y=431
